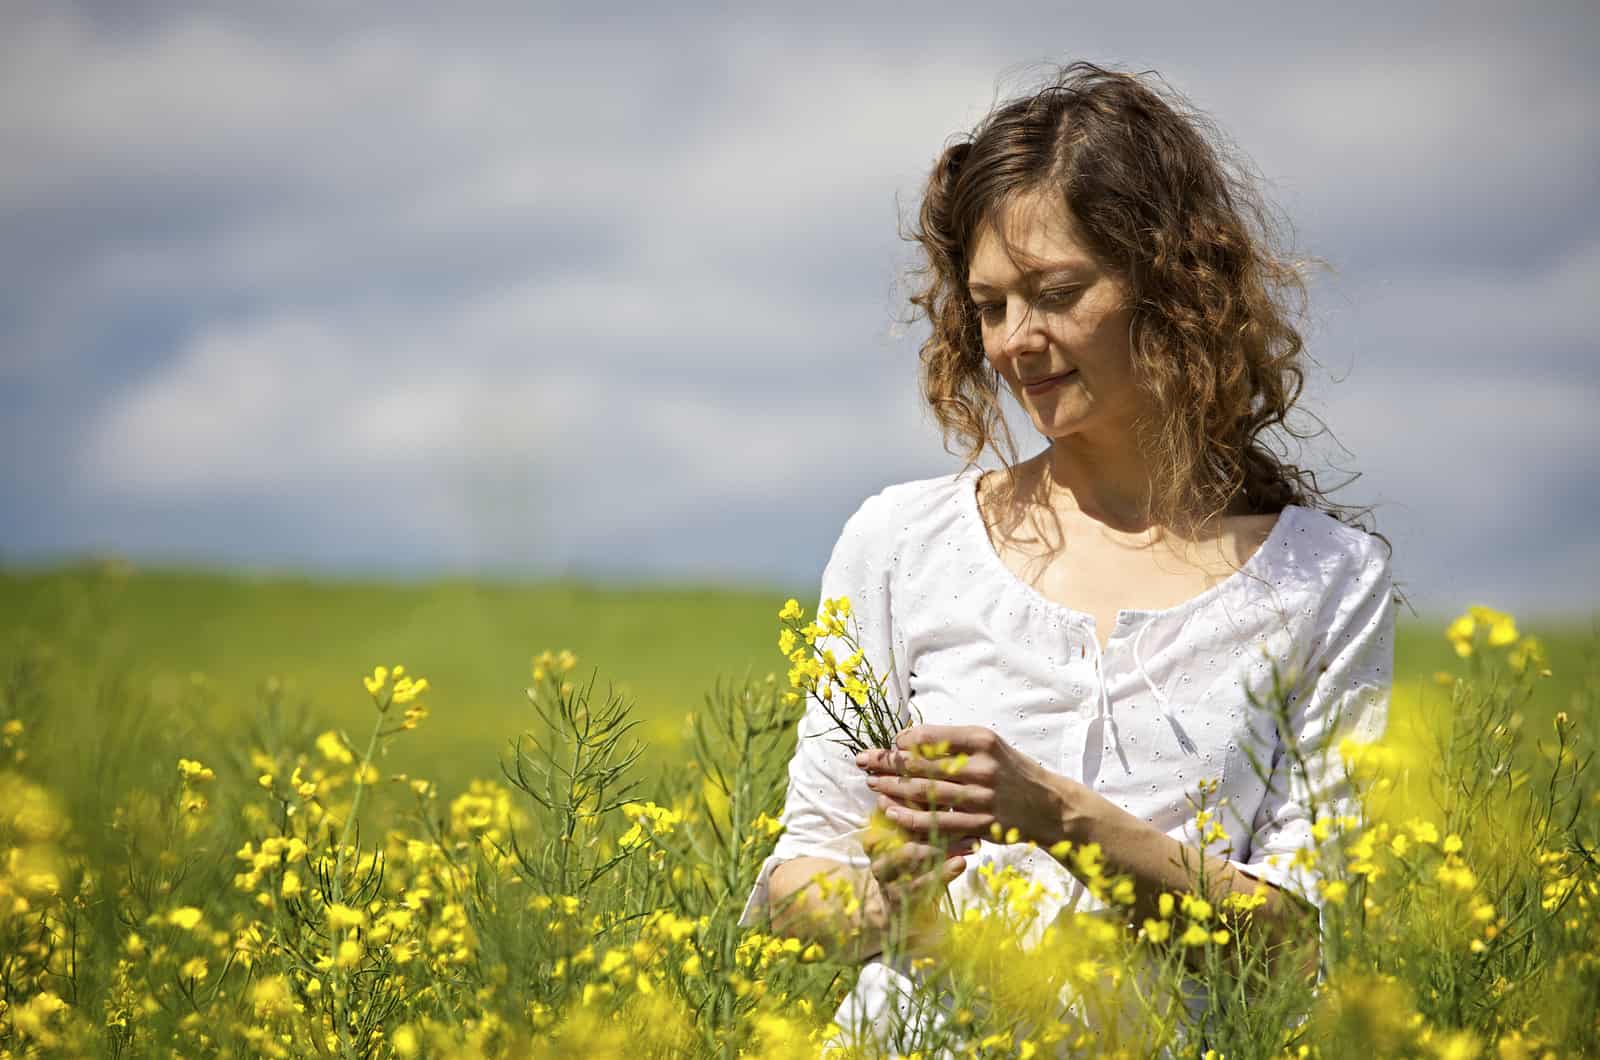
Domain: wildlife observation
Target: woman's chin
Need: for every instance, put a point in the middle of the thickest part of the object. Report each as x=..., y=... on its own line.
x=1057, y=427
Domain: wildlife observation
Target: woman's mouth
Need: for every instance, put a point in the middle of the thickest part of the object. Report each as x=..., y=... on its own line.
x=1045, y=384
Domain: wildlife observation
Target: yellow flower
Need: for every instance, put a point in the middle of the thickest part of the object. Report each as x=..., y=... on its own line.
x=770, y=826
x=1089, y=860
x=1500, y=629
x=1455, y=873
x=791, y=611
x=396, y=920
x=194, y=969
x=342, y=916
x=1244, y=903
x=350, y=954
x=1157, y=930
x=1462, y=1045
x=191, y=770
x=375, y=683
x=405, y=1042
x=1195, y=935
x=187, y=918
x=333, y=748
x=406, y=689
x=1423, y=831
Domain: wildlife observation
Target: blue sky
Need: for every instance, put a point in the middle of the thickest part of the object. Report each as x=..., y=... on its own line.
x=615, y=292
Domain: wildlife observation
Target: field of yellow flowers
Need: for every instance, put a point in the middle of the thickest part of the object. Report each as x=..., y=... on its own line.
x=281, y=888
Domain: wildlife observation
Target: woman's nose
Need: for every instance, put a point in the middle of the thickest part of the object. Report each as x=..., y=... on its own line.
x=1024, y=333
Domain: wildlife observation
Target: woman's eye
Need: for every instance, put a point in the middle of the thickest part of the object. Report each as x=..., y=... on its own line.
x=989, y=310
x=1058, y=294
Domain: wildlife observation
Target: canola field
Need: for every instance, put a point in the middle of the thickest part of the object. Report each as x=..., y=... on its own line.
x=279, y=817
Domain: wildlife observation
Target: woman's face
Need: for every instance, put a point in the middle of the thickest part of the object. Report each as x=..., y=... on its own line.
x=1054, y=322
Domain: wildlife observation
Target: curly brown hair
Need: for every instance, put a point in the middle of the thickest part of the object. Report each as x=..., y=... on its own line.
x=1168, y=210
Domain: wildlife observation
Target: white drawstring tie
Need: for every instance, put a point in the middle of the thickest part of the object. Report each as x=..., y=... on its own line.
x=1161, y=698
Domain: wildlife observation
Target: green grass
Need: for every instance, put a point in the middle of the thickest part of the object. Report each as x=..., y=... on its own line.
x=665, y=648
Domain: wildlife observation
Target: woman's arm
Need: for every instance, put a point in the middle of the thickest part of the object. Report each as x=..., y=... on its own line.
x=994, y=784
x=1158, y=863
x=829, y=903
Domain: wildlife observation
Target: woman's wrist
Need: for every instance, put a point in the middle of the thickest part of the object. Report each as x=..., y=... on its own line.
x=1073, y=812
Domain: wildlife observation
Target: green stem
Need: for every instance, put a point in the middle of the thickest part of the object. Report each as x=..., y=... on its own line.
x=339, y=984
x=355, y=807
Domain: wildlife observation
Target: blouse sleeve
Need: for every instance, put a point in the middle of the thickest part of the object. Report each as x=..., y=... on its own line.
x=828, y=801
x=1344, y=693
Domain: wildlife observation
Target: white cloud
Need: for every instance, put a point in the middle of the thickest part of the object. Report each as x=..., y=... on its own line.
x=512, y=263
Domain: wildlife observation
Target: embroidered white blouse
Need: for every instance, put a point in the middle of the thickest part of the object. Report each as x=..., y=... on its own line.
x=1164, y=706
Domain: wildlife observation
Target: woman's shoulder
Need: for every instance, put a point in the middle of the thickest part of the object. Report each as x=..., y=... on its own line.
x=912, y=501
x=1334, y=557
x=904, y=511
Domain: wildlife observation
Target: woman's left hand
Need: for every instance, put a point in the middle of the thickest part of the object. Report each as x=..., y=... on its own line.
x=963, y=780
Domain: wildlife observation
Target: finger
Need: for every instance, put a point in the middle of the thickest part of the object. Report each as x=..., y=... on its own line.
x=883, y=837
x=956, y=738
x=918, y=858
x=925, y=824
x=926, y=885
x=918, y=793
x=908, y=764
x=910, y=860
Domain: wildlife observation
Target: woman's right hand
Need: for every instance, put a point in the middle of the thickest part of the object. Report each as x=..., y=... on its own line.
x=912, y=877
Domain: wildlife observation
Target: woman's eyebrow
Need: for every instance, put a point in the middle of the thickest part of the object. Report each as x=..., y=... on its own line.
x=974, y=285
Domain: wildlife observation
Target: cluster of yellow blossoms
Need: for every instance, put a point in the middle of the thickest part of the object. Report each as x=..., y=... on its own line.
x=821, y=671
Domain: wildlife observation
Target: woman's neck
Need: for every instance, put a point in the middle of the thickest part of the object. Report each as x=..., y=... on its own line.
x=1115, y=492
x=1109, y=483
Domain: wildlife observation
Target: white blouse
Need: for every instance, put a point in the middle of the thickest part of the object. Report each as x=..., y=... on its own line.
x=1164, y=706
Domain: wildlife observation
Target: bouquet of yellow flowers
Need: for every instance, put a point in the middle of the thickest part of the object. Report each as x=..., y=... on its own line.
x=865, y=716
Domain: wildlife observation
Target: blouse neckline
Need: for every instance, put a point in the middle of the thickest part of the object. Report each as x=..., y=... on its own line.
x=968, y=491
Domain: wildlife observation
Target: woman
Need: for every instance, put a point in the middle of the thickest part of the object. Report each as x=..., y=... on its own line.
x=1087, y=627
